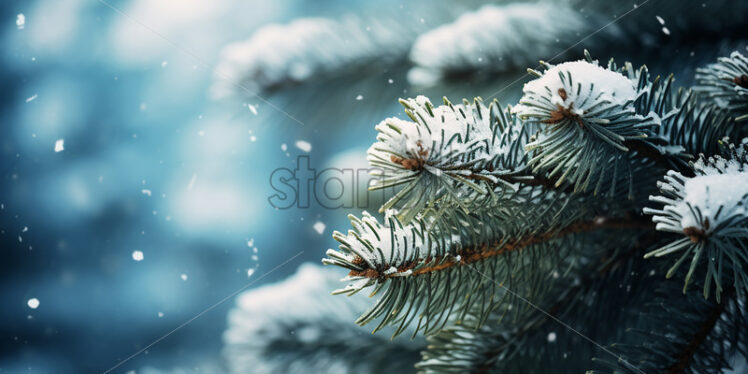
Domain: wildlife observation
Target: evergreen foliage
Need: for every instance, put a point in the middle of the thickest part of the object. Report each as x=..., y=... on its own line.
x=495, y=37
x=519, y=234
x=726, y=82
x=294, y=327
x=597, y=224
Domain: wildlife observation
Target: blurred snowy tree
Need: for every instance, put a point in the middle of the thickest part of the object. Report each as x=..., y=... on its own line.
x=294, y=327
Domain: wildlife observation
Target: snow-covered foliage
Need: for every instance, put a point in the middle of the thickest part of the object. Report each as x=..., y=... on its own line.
x=587, y=120
x=517, y=35
x=403, y=261
x=444, y=152
x=494, y=37
x=577, y=91
x=709, y=209
x=699, y=206
x=295, y=327
x=387, y=249
x=593, y=129
x=439, y=140
x=308, y=48
x=726, y=82
x=715, y=197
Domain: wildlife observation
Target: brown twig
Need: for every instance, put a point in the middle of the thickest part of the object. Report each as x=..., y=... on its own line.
x=651, y=153
x=741, y=80
x=685, y=356
x=561, y=113
x=540, y=319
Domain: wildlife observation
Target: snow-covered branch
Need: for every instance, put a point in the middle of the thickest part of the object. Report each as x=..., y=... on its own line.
x=495, y=38
x=588, y=123
x=726, y=82
x=710, y=211
x=310, y=48
x=296, y=326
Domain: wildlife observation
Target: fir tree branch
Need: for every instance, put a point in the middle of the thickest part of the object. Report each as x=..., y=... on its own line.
x=648, y=152
x=450, y=156
x=470, y=255
x=466, y=157
x=494, y=38
x=497, y=345
x=673, y=333
x=726, y=83
x=697, y=126
x=295, y=326
x=281, y=55
x=481, y=195
x=684, y=357
x=708, y=210
x=590, y=118
x=424, y=270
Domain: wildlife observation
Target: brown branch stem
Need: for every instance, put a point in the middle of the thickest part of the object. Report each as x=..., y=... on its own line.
x=478, y=253
x=604, y=269
x=685, y=356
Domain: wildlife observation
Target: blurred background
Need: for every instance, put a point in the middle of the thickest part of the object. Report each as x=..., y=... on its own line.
x=136, y=163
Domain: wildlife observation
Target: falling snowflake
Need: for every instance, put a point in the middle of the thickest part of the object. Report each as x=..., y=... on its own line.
x=253, y=109
x=284, y=147
x=192, y=182
x=360, y=97
x=33, y=303
x=60, y=145
x=164, y=63
x=32, y=98
x=666, y=31
x=319, y=227
x=250, y=272
x=304, y=145
x=252, y=138
x=551, y=337
x=160, y=314
x=183, y=276
x=660, y=20
x=146, y=192
x=20, y=21
x=137, y=255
